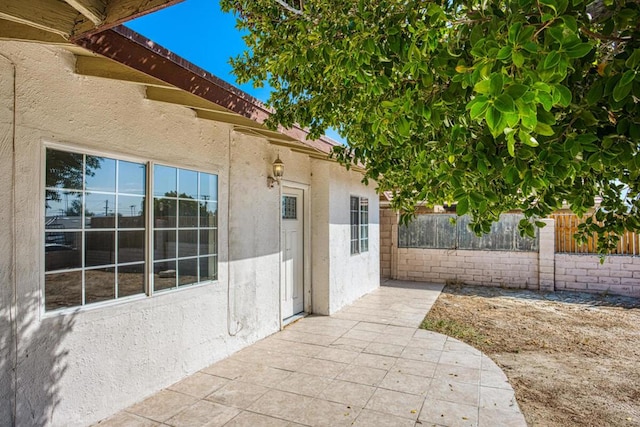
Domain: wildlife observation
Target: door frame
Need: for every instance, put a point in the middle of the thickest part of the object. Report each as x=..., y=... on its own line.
x=306, y=245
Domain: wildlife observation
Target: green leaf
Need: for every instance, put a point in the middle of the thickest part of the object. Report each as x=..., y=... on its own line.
x=530, y=47
x=495, y=84
x=634, y=59
x=404, y=127
x=493, y=118
x=478, y=109
x=544, y=129
x=579, y=51
x=504, y=53
x=515, y=91
x=514, y=32
x=595, y=93
x=518, y=58
x=511, y=145
x=551, y=60
x=462, y=207
x=627, y=77
x=483, y=87
x=565, y=95
x=504, y=104
x=620, y=92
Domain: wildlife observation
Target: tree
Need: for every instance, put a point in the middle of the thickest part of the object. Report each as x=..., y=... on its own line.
x=493, y=105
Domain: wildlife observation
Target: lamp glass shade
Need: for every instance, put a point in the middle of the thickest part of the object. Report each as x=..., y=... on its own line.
x=278, y=168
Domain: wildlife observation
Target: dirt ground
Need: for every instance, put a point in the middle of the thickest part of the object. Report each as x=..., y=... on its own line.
x=573, y=359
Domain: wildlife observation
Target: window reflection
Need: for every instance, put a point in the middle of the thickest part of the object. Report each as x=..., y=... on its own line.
x=130, y=246
x=208, y=186
x=164, y=181
x=62, y=250
x=100, y=210
x=209, y=214
x=188, y=187
x=164, y=244
x=64, y=169
x=100, y=174
x=63, y=209
x=164, y=275
x=187, y=243
x=130, y=212
x=62, y=290
x=130, y=280
x=164, y=212
x=99, y=285
x=208, y=242
x=188, y=210
x=208, y=268
x=187, y=271
x=132, y=178
x=99, y=248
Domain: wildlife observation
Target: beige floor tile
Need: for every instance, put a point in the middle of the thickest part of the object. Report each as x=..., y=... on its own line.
x=502, y=418
x=323, y=368
x=203, y=414
x=384, y=349
x=295, y=348
x=450, y=414
x=228, y=368
x=331, y=321
x=303, y=337
x=498, y=398
x=453, y=391
x=371, y=327
x=399, y=331
x=321, y=413
x=432, y=343
x=461, y=358
x=337, y=355
x=304, y=384
x=495, y=379
x=375, y=361
x=368, y=418
x=124, y=419
x=361, y=335
x=453, y=344
x=395, y=403
x=238, y=394
x=199, y=385
x=264, y=375
x=393, y=339
x=415, y=367
x=406, y=383
x=350, y=344
x=362, y=375
x=457, y=373
x=424, y=355
x=280, y=404
x=249, y=419
x=162, y=406
x=348, y=393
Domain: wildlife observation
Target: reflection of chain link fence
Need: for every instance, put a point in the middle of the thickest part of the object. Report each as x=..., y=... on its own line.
x=438, y=231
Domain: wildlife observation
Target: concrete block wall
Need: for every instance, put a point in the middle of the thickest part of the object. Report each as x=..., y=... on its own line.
x=617, y=275
x=544, y=270
x=483, y=268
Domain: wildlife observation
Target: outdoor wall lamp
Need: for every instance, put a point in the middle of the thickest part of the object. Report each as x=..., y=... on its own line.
x=278, y=173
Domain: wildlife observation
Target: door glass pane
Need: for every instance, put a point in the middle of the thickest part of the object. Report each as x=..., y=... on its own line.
x=100, y=174
x=99, y=285
x=289, y=207
x=62, y=290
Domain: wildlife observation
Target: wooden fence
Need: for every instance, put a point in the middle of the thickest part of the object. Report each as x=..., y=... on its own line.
x=566, y=225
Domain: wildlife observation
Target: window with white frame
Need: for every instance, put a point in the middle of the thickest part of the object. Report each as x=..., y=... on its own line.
x=359, y=224
x=96, y=228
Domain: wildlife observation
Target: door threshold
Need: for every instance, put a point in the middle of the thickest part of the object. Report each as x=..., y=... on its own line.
x=292, y=319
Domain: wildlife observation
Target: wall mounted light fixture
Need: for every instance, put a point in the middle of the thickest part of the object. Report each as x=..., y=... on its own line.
x=278, y=173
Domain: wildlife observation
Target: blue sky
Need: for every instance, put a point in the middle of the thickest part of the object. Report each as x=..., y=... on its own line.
x=200, y=32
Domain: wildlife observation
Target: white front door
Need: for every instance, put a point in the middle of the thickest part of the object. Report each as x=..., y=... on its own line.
x=292, y=244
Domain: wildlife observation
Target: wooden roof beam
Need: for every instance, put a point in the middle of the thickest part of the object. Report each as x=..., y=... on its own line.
x=94, y=10
x=105, y=68
x=49, y=15
x=11, y=30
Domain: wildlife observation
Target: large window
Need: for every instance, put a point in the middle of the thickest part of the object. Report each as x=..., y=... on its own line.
x=359, y=224
x=96, y=229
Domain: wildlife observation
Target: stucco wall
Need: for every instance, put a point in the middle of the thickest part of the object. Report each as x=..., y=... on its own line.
x=7, y=338
x=617, y=275
x=77, y=367
x=488, y=268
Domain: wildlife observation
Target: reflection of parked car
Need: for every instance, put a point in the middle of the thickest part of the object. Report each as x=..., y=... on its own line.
x=58, y=256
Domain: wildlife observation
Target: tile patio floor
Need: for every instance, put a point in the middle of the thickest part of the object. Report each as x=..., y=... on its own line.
x=368, y=365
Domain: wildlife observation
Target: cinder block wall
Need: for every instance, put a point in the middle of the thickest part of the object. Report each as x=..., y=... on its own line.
x=544, y=270
x=618, y=274
x=484, y=268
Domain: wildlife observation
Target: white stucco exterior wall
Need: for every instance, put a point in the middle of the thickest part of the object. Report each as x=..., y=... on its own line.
x=80, y=366
x=340, y=277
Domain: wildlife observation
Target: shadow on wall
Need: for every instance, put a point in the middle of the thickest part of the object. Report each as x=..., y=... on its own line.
x=40, y=363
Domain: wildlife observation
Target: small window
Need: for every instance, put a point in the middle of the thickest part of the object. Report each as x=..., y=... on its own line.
x=96, y=233
x=289, y=207
x=359, y=212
